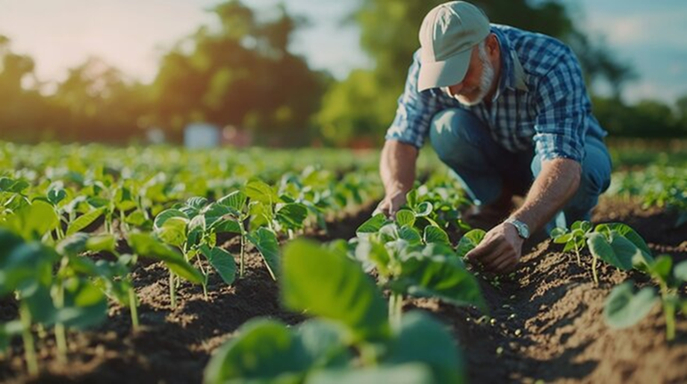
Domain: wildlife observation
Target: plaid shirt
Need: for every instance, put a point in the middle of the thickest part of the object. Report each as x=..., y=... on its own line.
x=541, y=100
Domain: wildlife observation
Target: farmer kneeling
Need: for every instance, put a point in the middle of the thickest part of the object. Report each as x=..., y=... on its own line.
x=507, y=110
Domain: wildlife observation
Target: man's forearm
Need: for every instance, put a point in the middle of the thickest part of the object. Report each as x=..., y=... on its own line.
x=397, y=166
x=555, y=185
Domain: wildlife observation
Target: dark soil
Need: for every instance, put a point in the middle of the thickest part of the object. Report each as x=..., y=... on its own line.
x=546, y=321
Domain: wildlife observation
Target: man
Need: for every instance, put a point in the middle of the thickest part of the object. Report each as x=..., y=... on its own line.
x=508, y=112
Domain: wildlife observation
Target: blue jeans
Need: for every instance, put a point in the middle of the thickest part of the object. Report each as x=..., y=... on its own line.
x=484, y=168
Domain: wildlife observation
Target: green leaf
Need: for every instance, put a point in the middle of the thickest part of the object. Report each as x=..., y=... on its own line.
x=624, y=308
x=8, y=331
x=441, y=277
x=223, y=262
x=619, y=252
x=258, y=190
x=173, y=231
x=422, y=339
x=73, y=244
x=334, y=287
x=424, y=209
x=435, y=235
x=680, y=271
x=630, y=234
x=266, y=242
x=227, y=226
x=661, y=267
x=405, y=217
x=56, y=194
x=558, y=232
x=33, y=221
x=235, y=200
x=324, y=344
x=469, y=241
x=397, y=374
x=373, y=224
x=374, y=253
x=563, y=239
x=85, y=305
x=292, y=215
x=85, y=220
x=263, y=349
x=99, y=243
x=410, y=234
x=147, y=246
x=163, y=216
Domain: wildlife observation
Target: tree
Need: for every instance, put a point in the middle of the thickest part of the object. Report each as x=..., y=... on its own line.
x=242, y=74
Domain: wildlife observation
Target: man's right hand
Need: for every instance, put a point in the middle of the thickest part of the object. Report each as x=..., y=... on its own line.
x=391, y=204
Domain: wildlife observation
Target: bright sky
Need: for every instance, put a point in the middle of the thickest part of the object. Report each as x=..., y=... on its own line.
x=132, y=35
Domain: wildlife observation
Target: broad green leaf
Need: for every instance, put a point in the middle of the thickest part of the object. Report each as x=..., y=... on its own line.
x=441, y=277
x=56, y=194
x=324, y=344
x=558, y=232
x=375, y=254
x=215, y=213
x=196, y=202
x=680, y=271
x=227, y=226
x=373, y=224
x=235, y=200
x=625, y=308
x=37, y=298
x=136, y=218
x=98, y=243
x=396, y=374
x=435, y=235
x=424, y=209
x=334, y=287
x=422, y=339
x=469, y=241
x=630, y=234
x=73, y=244
x=405, y=217
x=223, y=262
x=661, y=267
x=33, y=221
x=147, y=246
x=25, y=267
x=166, y=215
x=266, y=242
x=85, y=305
x=292, y=215
x=15, y=186
x=173, y=231
x=85, y=220
x=258, y=190
x=263, y=349
x=619, y=252
x=410, y=234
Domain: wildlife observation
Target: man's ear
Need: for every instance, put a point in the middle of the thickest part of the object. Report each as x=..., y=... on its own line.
x=492, y=44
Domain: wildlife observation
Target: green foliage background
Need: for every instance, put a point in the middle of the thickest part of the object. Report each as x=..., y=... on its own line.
x=243, y=74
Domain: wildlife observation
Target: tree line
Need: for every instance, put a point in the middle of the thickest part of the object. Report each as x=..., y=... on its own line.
x=242, y=74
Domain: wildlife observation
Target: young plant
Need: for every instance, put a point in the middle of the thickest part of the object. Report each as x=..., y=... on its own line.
x=349, y=341
x=415, y=264
x=575, y=240
x=625, y=308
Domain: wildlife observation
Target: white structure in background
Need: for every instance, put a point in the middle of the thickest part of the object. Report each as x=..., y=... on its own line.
x=201, y=135
x=155, y=135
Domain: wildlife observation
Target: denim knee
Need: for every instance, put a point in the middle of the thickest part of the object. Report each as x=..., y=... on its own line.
x=454, y=135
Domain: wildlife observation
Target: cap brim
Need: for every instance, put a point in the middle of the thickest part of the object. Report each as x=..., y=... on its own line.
x=444, y=73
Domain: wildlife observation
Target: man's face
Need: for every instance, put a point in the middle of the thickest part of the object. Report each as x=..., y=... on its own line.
x=477, y=82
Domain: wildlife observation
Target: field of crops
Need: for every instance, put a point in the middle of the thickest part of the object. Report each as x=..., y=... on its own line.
x=160, y=265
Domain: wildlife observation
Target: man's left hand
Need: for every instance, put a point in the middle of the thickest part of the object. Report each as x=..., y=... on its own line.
x=499, y=251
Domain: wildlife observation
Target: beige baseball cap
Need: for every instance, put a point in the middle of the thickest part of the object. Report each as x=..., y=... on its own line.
x=447, y=36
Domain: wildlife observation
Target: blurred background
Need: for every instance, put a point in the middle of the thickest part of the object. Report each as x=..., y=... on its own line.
x=296, y=72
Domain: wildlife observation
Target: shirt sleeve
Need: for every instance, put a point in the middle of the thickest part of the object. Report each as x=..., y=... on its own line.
x=560, y=123
x=414, y=112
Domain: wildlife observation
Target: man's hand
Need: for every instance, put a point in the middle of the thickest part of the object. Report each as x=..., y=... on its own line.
x=391, y=204
x=499, y=251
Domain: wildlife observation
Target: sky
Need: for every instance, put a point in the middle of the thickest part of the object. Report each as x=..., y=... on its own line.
x=132, y=35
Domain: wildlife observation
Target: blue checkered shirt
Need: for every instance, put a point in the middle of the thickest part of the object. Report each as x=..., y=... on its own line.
x=541, y=100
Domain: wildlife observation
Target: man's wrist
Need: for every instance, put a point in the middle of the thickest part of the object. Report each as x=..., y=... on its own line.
x=521, y=227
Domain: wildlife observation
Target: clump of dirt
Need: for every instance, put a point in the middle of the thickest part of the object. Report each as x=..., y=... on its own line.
x=545, y=320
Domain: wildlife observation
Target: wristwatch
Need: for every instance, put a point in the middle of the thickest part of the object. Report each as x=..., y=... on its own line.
x=522, y=228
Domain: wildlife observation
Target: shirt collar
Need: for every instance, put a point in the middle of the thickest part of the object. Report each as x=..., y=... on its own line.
x=512, y=73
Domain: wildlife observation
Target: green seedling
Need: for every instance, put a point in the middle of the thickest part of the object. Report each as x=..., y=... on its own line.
x=575, y=240
x=624, y=307
x=350, y=340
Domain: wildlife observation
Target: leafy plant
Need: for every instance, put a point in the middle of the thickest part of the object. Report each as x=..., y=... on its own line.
x=353, y=342
x=624, y=307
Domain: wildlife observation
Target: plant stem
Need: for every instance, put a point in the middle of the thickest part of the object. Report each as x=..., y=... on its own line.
x=29, y=348
x=133, y=308
x=577, y=252
x=172, y=290
x=60, y=331
x=243, y=243
x=669, y=312
x=596, y=278
x=395, y=309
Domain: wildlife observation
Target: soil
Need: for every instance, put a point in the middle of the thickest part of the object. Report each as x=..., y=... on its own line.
x=545, y=320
